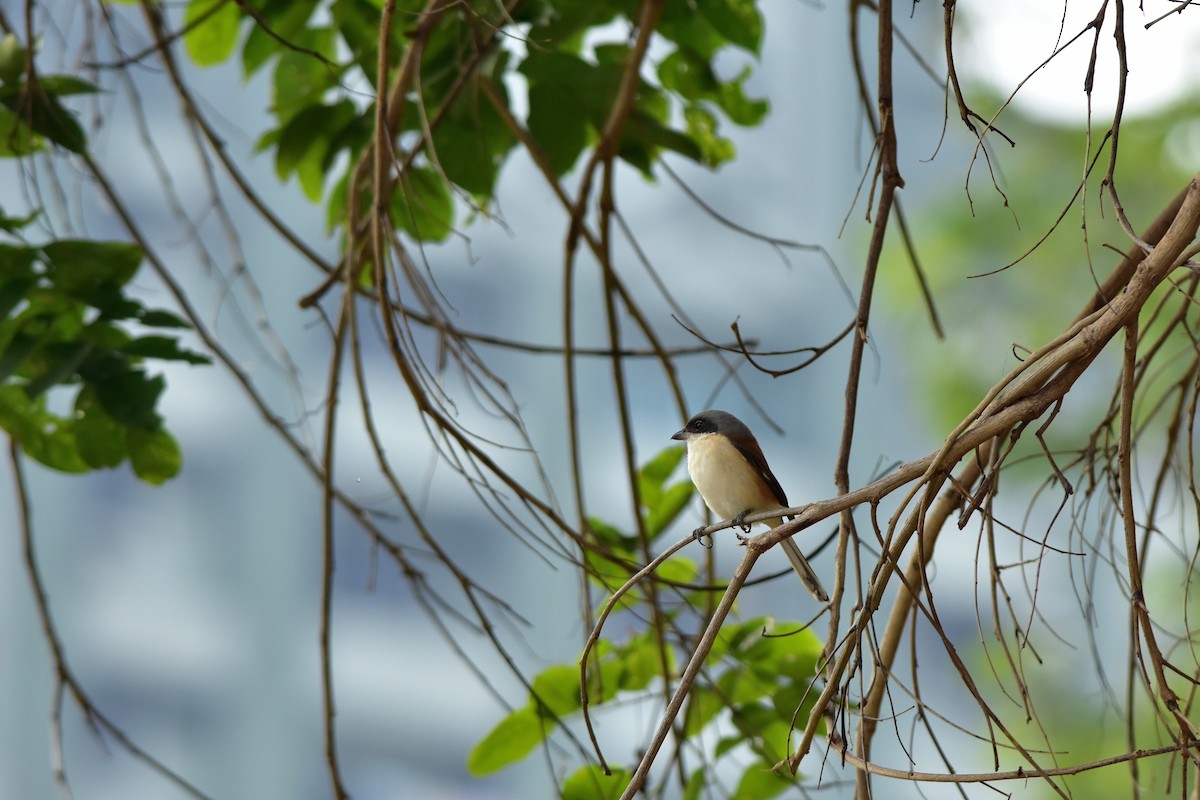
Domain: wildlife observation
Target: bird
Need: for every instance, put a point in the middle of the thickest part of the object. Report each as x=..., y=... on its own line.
x=728, y=467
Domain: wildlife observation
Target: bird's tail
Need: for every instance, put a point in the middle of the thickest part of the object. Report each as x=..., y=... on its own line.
x=808, y=576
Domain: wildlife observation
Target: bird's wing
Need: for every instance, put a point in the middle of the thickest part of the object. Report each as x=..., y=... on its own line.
x=753, y=453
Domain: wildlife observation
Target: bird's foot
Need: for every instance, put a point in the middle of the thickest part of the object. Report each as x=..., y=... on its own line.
x=740, y=522
x=703, y=538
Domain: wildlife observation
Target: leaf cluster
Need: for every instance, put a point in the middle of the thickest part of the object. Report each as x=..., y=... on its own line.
x=66, y=320
x=758, y=676
x=459, y=120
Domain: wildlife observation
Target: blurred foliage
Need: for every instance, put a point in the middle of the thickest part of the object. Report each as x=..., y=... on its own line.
x=961, y=236
x=756, y=683
x=67, y=322
x=324, y=70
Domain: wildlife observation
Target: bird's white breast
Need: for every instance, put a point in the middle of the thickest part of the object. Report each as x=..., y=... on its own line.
x=726, y=481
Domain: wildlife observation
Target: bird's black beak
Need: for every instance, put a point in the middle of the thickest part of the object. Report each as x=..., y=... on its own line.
x=681, y=435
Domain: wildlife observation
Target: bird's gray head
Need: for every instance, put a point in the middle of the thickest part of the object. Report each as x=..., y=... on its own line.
x=714, y=421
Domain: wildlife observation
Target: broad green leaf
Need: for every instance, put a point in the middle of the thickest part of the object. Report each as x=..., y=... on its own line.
x=58, y=364
x=738, y=21
x=558, y=688
x=305, y=143
x=130, y=398
x=301, y=78
x=741, y=686
x=669, y=506
x=703, y=705
x=422, y=205
x=164, y=347
x=99, y=438
x=212, y=29
x=678, y=569
x=654, y=473
x=590, y=783
x=83, y=268
x=785, y=651
x=472, y=140
x=62, y=85
x=760, y=782
x=288, y=20
x=642, y=663
x=513, y=738
x=154, y=455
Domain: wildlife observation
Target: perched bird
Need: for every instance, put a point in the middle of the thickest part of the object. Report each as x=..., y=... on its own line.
x=727, y=465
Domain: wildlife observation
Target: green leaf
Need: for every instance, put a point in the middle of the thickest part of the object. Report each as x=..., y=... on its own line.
x=12, y=58
x=154, y=455
x=590, y=783
x=288, y=21
x=513, y=738
x=654, y=473
x=130, y=398
x=41, y=111
x=668, y=507
x=697, y=782
x=738, y=21
x=16, y=138
x=300, y=78
x=100, y=438
x=212, y=29
x=42, y=436
x=472, y=140
x=422, y=205
x=158, y=318
x=305, y=142
x=641, y=661
x=558, y=688
x=164, y=347
x=702, y=707
x=760, y=782
x=741, y=686
x=84, y=268
x=702, y=128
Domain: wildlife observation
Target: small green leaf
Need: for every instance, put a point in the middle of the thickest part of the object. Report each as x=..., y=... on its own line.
x=422, y=205
x=154, y=455
x=212, y=29
x=590, y=783
x=513, y=738
x=164, y=347
x=702, y=129
x=158, y=318
x=12, y=58
x=558, y=688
